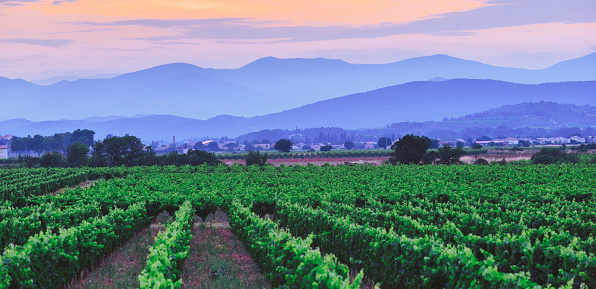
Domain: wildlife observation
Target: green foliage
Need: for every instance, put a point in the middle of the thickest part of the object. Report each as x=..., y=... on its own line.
x=450, y=156
x=481, y=161
x=213, y=147
x=409, y=150
x=288, y=261
x=326, y=148
x=349, y=145
x=126, y=150
x=405, y=226
x=395, y=261
x=384, y=142
x=476, y=146
x=58, y=142
x=256, y=158
x=70, y=251
x=554, y=156
x=199, y=157
x=166, y=257
x=52, y=159
x=283, y=145
x=76, y=154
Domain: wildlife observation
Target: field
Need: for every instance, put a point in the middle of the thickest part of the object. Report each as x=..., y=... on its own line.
x=304, y=226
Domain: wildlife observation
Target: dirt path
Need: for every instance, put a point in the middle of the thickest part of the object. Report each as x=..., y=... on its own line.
x=217, y=258
x=83, y=185
x=121, y=268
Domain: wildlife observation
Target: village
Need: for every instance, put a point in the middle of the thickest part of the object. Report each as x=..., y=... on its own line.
x=227, y=145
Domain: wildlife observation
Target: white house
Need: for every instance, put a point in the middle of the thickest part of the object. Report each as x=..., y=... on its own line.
x=3, y=151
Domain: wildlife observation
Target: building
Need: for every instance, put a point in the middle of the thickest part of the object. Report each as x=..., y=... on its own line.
x=3, y=151
x=263, y=146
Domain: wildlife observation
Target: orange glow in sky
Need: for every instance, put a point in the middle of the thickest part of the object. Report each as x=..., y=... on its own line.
x=296, y=12
x=86, y=37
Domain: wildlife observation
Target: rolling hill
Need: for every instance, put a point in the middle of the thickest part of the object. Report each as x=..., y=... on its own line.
x=262, y=87
x=416, y=105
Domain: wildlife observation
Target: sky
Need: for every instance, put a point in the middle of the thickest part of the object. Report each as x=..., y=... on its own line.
x=46, y=38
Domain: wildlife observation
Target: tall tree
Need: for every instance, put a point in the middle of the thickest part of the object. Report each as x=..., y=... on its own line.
x=449, y=155
x=384, y=142
x=349, y=145
x=126, y=150
x=213, y=146
x=256, y=158
x=76, y=154
x=84, y=136
x=283, y=145
x=409, y=149
x=99, y=157
x=38, y=144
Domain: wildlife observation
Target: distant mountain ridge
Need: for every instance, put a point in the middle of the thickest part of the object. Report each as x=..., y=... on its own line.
x=416, y=105
x=262, y=87
x=528, y=118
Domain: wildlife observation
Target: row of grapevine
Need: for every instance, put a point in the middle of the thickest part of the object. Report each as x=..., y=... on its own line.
x=509, y=226
x=23, y=183
x=550, y=253
x=68, y=252
x=288, y=261
x=167, y=255
x=17, y=225
x=397, y=261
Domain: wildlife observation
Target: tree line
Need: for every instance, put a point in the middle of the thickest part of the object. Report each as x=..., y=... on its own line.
x=73, y=150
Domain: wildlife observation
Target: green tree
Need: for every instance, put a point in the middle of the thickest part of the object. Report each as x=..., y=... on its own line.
x=126, y=150
x=430, y=157
x=476, y=146
x=19, y=145
x=349, y=145
x=38, y=144
x=231, y=146
x=212, y=146
x=409, y=149
x=99, y=157
x=553, y=156
x=52, y=159
x=84, y=136
x=256, y=158
x=326, y=148
x=199, y=146
x=76, y=154
x=384, y=142
x=199, y=157
x=434, y=144
x=449, y=155
x=283, y=145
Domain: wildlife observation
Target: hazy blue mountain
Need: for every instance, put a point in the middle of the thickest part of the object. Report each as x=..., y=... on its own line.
x=160, y=90
x=303, y=81
x=56, y=79
x=264, y=86
x=424, y=101
x=412, y=103
x=583, y=68
x=523, y=119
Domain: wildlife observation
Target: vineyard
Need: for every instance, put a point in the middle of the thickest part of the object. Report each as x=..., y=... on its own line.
x=313, y=226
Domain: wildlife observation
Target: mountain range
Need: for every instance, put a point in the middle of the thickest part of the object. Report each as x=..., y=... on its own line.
x=417, y=105
x=528, y=119
x=265, y=86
